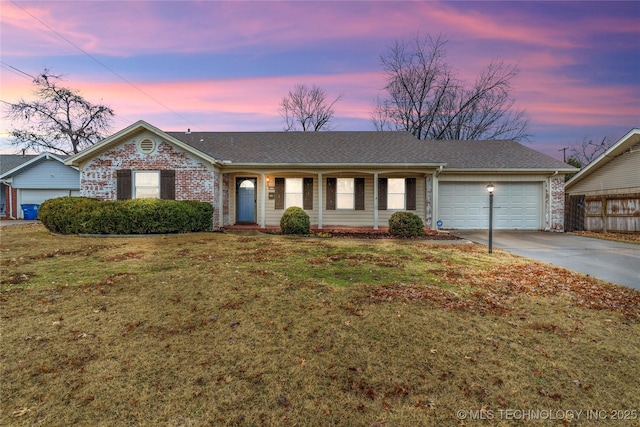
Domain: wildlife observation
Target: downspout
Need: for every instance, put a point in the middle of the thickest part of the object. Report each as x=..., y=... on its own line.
x=439, y=171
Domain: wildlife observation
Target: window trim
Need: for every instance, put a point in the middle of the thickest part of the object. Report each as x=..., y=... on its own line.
x=353, y=194
x=287, y=204
x=134, y=187
x=404, y=194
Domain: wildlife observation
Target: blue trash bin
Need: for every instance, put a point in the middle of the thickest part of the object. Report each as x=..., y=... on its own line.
x=30, y=211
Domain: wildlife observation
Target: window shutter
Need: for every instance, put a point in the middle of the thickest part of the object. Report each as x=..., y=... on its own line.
x=168, y=184
x=123, y=186
x=279, y=203
x=359, y=190
x=410, y=193
x=382, y=194
x=331, y=193
x=307, y=194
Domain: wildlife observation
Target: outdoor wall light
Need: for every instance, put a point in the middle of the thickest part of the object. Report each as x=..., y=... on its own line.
x=490, y=189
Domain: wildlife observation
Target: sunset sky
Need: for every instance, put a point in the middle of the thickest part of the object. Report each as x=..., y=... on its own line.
x=225, y=66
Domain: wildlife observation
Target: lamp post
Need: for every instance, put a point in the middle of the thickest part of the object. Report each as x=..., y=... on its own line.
x=490, y=189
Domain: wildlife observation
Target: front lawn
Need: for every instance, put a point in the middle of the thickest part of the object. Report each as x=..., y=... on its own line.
x=215, y=329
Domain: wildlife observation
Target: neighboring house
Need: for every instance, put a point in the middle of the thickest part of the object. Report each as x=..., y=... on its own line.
x=32, y=179
x=349, y=179
x=605, y=194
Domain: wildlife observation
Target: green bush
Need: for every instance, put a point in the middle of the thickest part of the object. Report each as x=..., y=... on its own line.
x=406, y=224
x=295, y=221
x=83, y=215
x=67, y=215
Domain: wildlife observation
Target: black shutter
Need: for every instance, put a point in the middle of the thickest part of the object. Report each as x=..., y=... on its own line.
x=331, y=193
x=382, y=194
x=359, y=189
x=410, y=193
x=168, y=184
x=279, y=203
x=307, y=194
x=123, y=186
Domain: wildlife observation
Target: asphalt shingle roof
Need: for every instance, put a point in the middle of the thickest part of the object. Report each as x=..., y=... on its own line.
x=500, y=154
x=12, y=161
x=364, y=147
x=309, y=147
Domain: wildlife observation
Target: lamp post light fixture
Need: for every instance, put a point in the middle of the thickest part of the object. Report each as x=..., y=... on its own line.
x=490, y=189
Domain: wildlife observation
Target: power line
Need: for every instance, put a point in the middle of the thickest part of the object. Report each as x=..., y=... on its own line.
x=17, y=71
x=105, y=66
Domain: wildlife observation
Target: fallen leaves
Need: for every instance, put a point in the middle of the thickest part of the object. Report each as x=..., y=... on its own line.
x=495, y=289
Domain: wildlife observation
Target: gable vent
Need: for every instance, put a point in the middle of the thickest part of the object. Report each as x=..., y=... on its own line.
x=147, y=146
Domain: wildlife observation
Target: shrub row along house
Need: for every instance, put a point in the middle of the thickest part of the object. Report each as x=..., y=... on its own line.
x=341, y=179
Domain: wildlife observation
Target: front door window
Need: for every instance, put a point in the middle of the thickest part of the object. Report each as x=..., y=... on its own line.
x=246, y=188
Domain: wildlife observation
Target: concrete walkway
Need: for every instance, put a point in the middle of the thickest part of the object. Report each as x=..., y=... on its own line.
x=614, y=262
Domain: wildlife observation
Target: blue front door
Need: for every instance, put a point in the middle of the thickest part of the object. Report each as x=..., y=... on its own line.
x=246, y=207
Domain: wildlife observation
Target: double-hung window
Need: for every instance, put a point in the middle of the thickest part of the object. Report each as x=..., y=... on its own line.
x=146, y=184
x=345, y=191
x=293, y=192
x=395, y=193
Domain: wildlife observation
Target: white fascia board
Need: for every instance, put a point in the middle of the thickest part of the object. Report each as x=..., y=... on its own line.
x=510, y=170
x=332, y=165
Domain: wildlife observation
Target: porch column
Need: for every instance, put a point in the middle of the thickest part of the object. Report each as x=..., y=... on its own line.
x=263, y=200
x=375, y=200
x=320, y=201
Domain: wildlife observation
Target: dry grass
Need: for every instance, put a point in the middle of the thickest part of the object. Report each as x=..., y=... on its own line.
x=216, y=329
x=633, y=237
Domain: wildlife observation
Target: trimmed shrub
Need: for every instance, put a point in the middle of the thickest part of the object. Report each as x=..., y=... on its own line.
x=295, y=221
x=67, y=215
x=406, y=224
x=82, y=215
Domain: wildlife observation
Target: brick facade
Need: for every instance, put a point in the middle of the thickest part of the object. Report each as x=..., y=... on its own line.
x=194, y=180
x=556, y=200
x=11, y=208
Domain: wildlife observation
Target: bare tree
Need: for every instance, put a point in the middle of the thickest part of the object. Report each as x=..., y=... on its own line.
x=58, y=120
x=425, y=97
x=586, y=151
x=307, y=107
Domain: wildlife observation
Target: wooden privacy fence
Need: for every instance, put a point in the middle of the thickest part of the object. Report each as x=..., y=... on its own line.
x=615, y=212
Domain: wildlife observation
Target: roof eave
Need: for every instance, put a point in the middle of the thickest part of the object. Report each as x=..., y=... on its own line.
x=90, y=152
x=612, y=152
x=28, y=163
x=511, y=170
x=328, y=165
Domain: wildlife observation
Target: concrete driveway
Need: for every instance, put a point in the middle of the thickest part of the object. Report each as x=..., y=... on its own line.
x=611, y=261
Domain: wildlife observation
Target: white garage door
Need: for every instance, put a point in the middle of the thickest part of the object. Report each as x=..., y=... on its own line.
x=36, y=197
x=465, y=205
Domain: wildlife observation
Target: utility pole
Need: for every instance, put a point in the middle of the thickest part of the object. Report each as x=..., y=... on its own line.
x=564, y=154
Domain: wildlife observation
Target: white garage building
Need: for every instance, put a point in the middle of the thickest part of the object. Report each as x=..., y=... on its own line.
x=32, y=179
x=528, y=186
